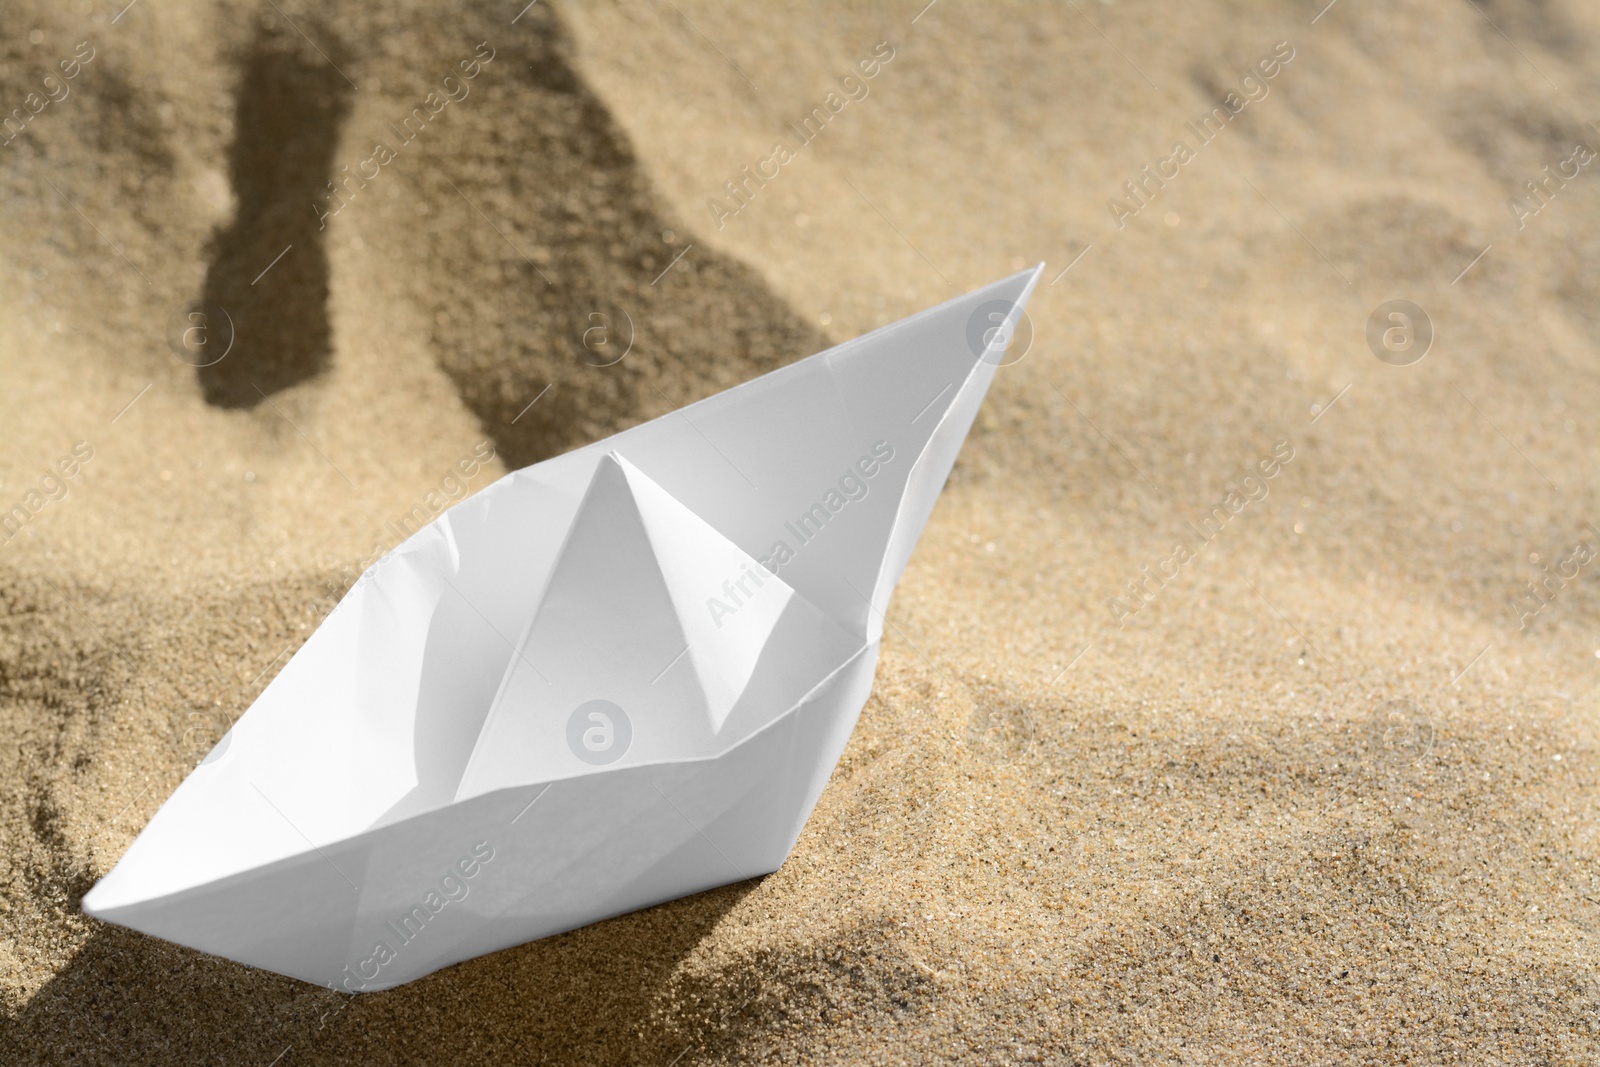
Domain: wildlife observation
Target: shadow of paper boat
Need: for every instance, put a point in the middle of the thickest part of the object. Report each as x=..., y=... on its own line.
x=611, y=679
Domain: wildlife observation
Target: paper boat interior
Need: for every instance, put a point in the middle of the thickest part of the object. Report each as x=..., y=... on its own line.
x=610, y=679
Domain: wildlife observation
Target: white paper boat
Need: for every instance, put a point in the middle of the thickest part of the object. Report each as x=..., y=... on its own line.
x=613, y=678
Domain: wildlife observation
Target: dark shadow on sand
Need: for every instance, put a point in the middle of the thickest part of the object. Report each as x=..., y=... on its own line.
x=268, y=268
x=126, y=998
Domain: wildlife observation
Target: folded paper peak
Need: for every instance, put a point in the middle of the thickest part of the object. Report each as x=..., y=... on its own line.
x=610, y=679
x=655, y=638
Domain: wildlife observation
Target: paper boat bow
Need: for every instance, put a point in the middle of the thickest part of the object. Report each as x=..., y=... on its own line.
x=610, y=679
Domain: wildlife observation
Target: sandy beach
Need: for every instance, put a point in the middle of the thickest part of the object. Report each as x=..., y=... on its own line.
x=1240, y=703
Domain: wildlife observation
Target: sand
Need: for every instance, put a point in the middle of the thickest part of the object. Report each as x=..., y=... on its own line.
x=1324, y=793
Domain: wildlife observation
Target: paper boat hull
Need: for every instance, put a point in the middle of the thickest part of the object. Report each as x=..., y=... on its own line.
x=559, y=856
x=325, y=839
